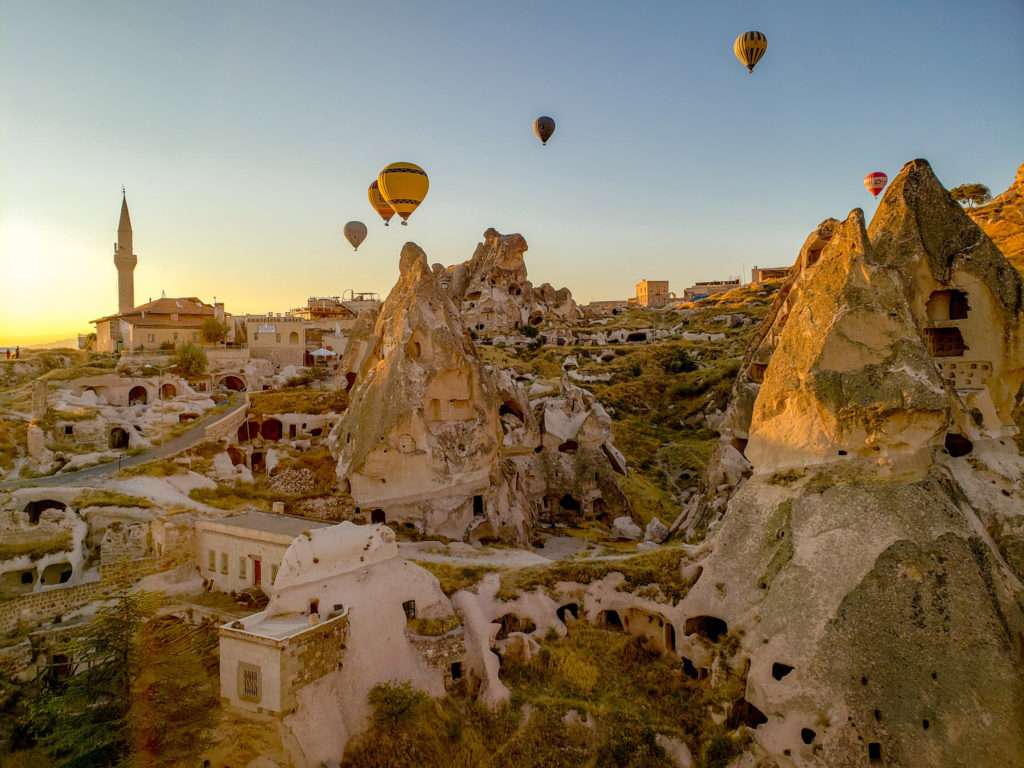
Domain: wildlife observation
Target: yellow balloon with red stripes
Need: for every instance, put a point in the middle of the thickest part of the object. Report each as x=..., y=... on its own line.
x=403, y=185
x=750, y=47
x=380, y=205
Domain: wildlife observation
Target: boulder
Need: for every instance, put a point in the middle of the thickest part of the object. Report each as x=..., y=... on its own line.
x=624, y=528
x=656, y=531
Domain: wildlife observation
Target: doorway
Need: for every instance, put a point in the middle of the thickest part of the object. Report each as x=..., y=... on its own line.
x=257, y=573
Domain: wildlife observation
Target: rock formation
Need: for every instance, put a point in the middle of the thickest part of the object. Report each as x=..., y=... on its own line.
x=421, y=435
x=434, y=439
x=871, y=566
x=1003, y=221
x=493, y=294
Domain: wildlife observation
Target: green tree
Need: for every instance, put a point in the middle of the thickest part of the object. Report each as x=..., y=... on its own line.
x=315, y=374
x=190, y=360
x=85, y=723
x=214, y=331
x=138, y=694
x=971, y=194
x=173, y=708
x=529, y=331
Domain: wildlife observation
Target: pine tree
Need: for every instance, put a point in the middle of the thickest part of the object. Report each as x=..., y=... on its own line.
x=138, y=696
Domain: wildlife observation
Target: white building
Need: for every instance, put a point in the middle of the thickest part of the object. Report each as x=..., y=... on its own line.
x=246, y=550
x=345, y=606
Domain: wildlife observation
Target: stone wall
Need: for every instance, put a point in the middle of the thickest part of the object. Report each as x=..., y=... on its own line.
x=310, y=656
x=226, y=427
x=285, y=665
x=38, y=607
x=441, y=651
x=122, y=542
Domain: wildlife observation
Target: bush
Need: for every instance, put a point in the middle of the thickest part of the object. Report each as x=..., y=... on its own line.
x=529, y=331
x=680, y=362
x=396, y=704
x=190, y=360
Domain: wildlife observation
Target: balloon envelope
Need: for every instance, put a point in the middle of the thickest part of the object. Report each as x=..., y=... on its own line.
x=355, y=233
x=403, y=185
x=380, y=205
x=875, y=182
x=544, y=126
x=750, y=47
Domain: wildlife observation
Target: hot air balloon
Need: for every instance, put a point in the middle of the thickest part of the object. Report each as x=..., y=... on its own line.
x=403, y=185
x=750, y=47
x=355, y=233
x=544, y=126
x=875, y=182
x=380, y=205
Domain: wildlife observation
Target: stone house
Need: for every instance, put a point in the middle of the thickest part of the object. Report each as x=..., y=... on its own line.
x=246, y=550
x=342, y=593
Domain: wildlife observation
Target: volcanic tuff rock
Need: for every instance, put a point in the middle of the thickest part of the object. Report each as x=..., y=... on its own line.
x=871, y=566
x=435, y=439
x=493, y=294
x=421, y=435
x=1003, y=221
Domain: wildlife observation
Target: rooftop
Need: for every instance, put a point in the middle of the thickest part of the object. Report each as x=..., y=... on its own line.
x=264, y=521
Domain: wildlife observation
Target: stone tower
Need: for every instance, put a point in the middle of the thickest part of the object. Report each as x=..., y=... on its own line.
x=125, y=261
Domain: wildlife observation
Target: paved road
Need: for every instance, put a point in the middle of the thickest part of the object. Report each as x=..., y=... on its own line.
x=89, y=475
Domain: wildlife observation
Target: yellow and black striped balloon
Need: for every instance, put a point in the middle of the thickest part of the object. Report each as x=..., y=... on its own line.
x=750, y=47
x=403, y=185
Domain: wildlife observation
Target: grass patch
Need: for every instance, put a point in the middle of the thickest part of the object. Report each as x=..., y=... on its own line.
x=299, y=400
x=13, y=438
x=628, y=695
x=647, y=500
x=160, y=468
x=102, y=498
x=660, y=567
x=237, y=496
x=432, y=627
x=455, y=577
x=35, y=546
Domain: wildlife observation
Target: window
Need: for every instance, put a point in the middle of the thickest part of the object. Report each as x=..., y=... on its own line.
x=241, y=567
x=195, y=336
x=255, y=336
x=248, y=682
x=224, y=562
x=409, y=606
x=278, y=337
x=175, y=335
x=150, y=337
x=213, y=560
x=69, y=429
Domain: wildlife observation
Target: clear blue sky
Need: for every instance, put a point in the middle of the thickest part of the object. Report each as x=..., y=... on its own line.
x=247, y=133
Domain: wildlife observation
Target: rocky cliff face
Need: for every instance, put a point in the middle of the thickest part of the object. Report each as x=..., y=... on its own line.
x=420, y=438
x=1003, y=221
x=870, y=567
x=493, y=294
x=434, y=439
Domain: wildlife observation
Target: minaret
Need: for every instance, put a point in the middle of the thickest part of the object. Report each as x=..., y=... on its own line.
x=125, y=261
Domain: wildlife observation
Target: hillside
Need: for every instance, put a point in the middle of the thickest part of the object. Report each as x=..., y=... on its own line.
x=1003, y=220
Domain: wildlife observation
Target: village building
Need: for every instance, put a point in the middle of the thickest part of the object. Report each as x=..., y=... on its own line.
x=246, y=550
x=281, y=339
x=701, y=290
x=342, y=592
x=163, y=323
x=760, y=274
x=608, y=305
x=653, y=293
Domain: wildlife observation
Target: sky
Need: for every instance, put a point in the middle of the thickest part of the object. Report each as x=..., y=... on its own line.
x=246, y=134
